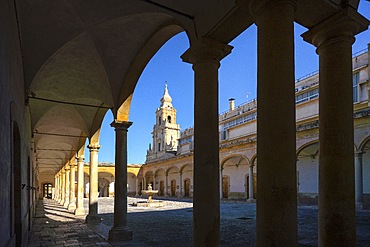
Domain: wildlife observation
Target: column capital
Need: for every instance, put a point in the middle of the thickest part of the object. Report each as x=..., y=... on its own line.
x=67, y=168
x=206, y=49
x=341, y=26
x=359, y=153
x=121, y=125
x=258, y=7
x=72, y=165
x=93, y=147
x=80, y=158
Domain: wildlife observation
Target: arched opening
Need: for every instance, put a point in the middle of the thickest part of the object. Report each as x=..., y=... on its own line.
x=47, y=190
x=173, y=187
x=18, y=186
x=103, y=187
x=308, y=173
x=225, y=186
x=364, y=155
x=235, y=168
x=187, y=187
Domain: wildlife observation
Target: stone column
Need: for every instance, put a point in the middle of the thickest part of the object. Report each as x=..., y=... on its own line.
x=120, y=231
x=55, y=196
x=59, y=186
x=333, y=39
x=358, y=181
x=221, y=174
x=277, y=187
x=93, y=216
x=205, y=57
x=67, y=184
x=62, y=188
x=153, y=182
x=251, y=185
x=166, y=189
x=181, y=194
x=58, y=193
x=80, y=210
x=137, y=187
x=72, y=179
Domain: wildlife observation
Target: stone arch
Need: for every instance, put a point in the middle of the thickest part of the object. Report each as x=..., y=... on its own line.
x=363, y=144
x=305, y=145
x=308, y=172
x=187, y=179
x=173, y=176
x=148, y=178
x=234, y=169
x=236, y=158
x=131, y=184
x=157, y=39
x=160, y=180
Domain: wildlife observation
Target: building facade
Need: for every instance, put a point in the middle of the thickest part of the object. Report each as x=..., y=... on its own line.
x=172, y=172
x=65, y=64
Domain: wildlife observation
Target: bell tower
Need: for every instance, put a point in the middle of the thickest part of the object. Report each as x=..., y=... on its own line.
x=165, y=130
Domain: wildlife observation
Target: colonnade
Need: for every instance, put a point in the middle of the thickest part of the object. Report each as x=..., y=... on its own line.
x=277, y=186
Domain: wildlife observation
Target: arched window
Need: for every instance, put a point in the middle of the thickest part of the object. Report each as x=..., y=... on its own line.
x=169, y=119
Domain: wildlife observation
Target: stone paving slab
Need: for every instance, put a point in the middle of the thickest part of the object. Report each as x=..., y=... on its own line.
x=169, y=226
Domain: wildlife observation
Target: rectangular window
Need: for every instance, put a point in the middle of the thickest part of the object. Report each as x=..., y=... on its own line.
x=356, y=79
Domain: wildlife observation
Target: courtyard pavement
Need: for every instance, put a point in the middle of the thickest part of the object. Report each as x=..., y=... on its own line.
x=168, y=226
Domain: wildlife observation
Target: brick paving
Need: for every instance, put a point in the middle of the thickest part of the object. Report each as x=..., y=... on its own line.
x=168, y=226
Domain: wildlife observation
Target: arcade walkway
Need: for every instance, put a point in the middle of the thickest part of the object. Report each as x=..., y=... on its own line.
x=55, y=226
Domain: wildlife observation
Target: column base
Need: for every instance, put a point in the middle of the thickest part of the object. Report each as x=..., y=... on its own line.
x=251, y=200
x=80, y=211
x=65, y=204
x=93, y=219
x=72, y=206
x=119, y=234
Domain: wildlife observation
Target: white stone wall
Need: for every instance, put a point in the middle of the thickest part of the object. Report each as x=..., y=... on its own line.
x=242, y=130
x=307, y=109
x=307, y=175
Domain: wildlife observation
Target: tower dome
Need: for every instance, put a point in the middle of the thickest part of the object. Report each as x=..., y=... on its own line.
x=166, y=98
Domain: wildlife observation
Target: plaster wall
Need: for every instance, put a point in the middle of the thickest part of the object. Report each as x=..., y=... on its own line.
x=236, y=177
x=307, y=109
x=307, y=175
x=243, y=129
x=131, y=181
x=12, y=108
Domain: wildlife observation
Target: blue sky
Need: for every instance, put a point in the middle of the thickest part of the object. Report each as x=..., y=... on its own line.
x=237, y=79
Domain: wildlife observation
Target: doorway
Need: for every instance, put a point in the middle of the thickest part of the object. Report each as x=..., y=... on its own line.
x=173, y=187
x=187, y=187
x=225, y=187
x=47, y=190
x=161, y=188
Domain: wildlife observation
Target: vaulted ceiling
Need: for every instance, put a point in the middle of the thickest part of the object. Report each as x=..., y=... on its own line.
x=84, y=57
